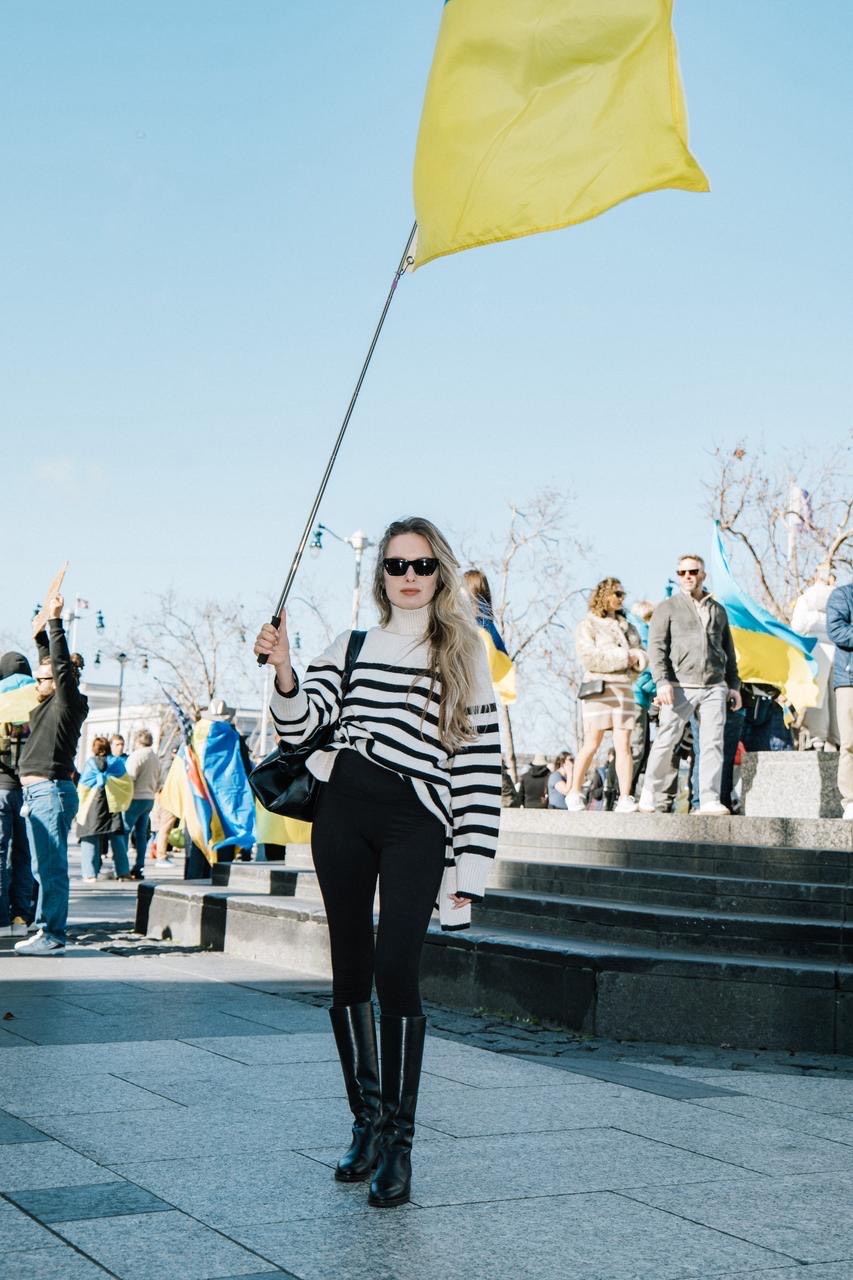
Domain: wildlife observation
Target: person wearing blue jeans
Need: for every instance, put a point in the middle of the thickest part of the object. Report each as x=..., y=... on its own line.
x=46, y=768
x=50, y=808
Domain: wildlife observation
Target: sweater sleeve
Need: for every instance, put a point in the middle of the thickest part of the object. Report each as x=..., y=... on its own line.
x=475, y=794
x=316, y=700
x=64, y=674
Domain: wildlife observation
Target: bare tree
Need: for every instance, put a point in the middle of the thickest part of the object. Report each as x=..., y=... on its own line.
x=534, y=587
x=788, y=514
x=197, y=649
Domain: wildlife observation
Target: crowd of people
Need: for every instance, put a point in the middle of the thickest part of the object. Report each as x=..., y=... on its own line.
x=43, y=796
x=663, y=681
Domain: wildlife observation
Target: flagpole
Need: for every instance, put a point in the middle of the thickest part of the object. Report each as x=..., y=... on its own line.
x=405, y=262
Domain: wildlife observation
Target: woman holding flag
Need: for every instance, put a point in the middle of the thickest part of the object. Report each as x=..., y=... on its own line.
x=411, y=799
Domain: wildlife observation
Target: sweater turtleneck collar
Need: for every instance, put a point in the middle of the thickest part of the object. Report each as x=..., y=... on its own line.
x=408, y=622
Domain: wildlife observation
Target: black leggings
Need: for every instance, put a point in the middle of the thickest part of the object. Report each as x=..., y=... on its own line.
x=369, y=823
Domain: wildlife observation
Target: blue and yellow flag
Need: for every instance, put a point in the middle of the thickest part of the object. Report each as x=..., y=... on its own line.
x=17, y=699
x=501, y=667
x=114, y=780
x=768, y=651
x=207, y=789
x=543, y=113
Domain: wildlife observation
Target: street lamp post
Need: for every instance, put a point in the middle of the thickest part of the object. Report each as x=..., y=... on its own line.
x=360, y=543
x=121, y=657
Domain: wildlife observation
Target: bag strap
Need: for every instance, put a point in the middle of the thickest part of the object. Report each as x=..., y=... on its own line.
x=356, y=641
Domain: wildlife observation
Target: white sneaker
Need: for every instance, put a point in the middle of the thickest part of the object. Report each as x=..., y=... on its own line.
x=19, y=927
x=646, y=804
x=713, y=810
x=574, y=802
x=5, y=931
x=625, y=804
x=848, y=811
x=40, y=945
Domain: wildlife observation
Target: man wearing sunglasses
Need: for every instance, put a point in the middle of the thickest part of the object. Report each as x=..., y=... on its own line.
x=693, y=661
x=47, y=770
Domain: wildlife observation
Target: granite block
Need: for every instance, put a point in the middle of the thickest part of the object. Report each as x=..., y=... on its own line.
x=26, y=1165
x=470, y=1170
x=114, y=1138
x=465, y=1111
x=155, y=1057
x=781, y=1115
x=238, y=1083
x=19, y=1231
x=637, y=1006
x=797, y=1216
x=53, y=1262
x=748, y=1144
x=76, y=1095
x=578, y=1237
x=96, y=1200
x=815, y=1271
x=296, y=1046
x=260, y=1186
x=14, y=1130
x=485, y=1069
x=791, y=784
x=169, y=1246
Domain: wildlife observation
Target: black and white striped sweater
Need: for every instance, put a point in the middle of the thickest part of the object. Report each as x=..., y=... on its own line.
x=390, y=715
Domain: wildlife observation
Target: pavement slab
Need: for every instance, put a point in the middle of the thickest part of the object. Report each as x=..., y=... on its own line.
x=170, y=1246
x=579, y=1237
x=97, y=1200
x=182, y=1113
x=513, y=1167
x=55, y=1262
x=25, y=1165
x=799, y=1216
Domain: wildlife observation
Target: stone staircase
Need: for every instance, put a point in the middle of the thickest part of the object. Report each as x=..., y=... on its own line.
x=680, y=929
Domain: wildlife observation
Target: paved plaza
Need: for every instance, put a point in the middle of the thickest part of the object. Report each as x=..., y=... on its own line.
x=167, y=1112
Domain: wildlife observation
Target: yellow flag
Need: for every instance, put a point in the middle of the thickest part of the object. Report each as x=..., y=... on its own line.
x=543, y=113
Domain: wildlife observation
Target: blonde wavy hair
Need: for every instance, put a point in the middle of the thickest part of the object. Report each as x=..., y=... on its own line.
x=454, y=642
x=599, y=601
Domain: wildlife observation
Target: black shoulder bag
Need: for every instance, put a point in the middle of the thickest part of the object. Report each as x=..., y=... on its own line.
x=282, y=782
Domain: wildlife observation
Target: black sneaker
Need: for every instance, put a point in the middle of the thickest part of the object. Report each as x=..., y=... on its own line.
x=136, y=875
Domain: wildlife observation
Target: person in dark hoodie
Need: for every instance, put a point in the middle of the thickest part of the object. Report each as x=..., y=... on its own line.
x=533, y=786
x=47, y=770
x=17, y=887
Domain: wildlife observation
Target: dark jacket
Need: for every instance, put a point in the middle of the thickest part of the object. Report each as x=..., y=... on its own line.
x=684, y=651
x=533, y=787
x=12, y=736
x=839, y=628
x=55, y=724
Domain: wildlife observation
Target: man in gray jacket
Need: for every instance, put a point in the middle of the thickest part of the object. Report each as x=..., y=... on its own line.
x=692, y=658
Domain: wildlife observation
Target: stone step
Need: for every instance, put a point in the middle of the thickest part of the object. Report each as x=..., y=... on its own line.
x=668, y=928
x=601, y=987
x=810, y=865
x=277, y=878
x=555, y=827
x=696, y=891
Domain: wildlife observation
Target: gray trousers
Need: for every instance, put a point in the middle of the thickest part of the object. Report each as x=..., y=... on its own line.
x=709, y=707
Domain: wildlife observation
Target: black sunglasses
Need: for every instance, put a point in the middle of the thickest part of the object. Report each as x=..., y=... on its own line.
x=424, y=566
x=688, y=573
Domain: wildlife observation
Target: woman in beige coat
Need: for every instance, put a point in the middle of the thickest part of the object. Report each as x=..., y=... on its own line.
x=612, y=655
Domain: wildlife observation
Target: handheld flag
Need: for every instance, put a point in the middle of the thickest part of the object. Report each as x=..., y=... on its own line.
x=768, y=651
x=543, y=113
x=501, y=667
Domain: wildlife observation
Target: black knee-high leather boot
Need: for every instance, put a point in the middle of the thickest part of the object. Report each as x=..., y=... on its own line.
x=402, y=1055
x=355, y=1036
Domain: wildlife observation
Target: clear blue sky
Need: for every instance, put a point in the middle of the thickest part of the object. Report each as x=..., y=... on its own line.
x=203, y=204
